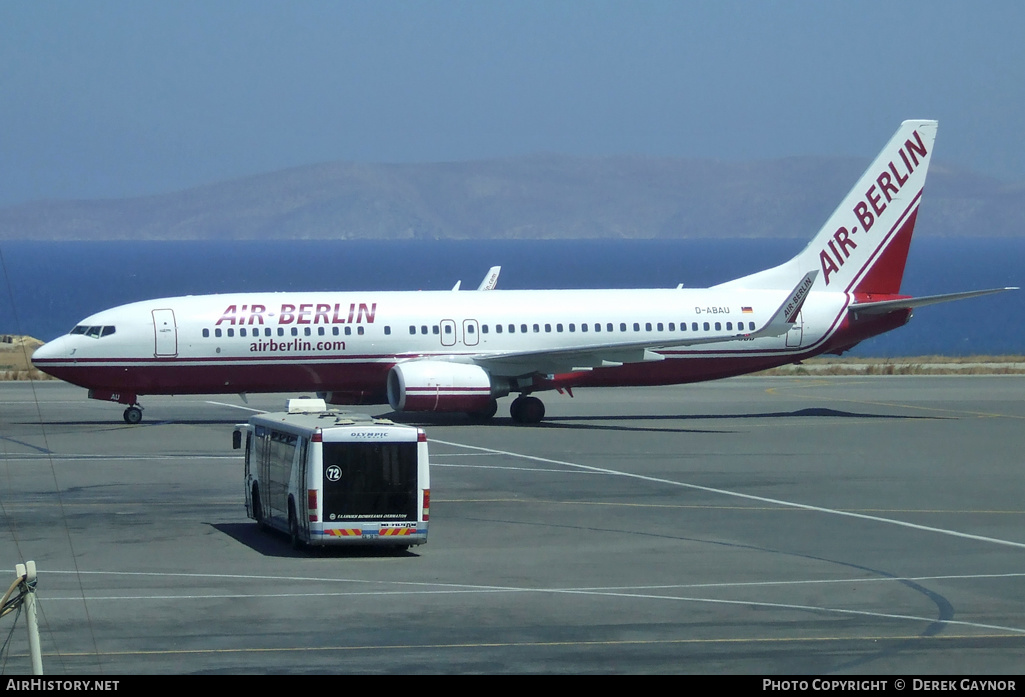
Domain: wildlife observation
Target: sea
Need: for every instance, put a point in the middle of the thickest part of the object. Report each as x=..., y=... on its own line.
x=50, y=286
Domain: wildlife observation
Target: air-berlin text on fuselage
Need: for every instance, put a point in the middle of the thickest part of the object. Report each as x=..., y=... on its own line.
x=887, y=184
x=303, y=313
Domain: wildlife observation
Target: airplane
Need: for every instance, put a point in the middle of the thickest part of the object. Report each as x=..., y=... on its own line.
x=459, y=351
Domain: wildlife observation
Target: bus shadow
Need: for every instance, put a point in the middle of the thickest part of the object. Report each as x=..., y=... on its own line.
x=273, y=543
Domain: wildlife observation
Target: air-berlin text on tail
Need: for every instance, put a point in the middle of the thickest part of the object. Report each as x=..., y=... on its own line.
x=887, y=184
x=303, y=313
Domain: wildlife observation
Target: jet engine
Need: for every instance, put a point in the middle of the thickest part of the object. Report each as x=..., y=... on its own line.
x=441, y=386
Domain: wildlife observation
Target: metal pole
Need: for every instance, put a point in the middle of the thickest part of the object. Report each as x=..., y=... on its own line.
x=27, y=572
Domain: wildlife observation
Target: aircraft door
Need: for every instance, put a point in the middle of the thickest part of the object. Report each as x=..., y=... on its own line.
x=796, y=334
x=165, y=334
x=448, y=332
x=470, y=332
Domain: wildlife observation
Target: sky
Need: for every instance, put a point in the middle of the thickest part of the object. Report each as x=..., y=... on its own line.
x=113, y=99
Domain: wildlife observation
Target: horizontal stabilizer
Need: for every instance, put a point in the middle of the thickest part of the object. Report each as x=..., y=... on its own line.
x=882, y=307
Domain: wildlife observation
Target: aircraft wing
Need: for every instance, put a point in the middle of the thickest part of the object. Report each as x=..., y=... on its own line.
x=490, y=279
x=600, y=355
x=882, y=307
x=489, y=282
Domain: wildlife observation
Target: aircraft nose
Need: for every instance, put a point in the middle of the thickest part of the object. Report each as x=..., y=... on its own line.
x=57, y=348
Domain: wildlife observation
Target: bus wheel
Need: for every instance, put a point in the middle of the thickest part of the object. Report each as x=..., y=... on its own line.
x=293, y=527
x=258, y=509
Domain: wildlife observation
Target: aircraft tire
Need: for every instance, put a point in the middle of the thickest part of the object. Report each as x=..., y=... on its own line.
x=527, y=410
x=484, y=414
x=133, y=415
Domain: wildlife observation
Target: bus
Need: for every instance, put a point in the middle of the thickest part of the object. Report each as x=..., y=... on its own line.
x=327, y=477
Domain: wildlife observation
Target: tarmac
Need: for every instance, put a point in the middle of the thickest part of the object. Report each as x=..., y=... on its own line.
x=751, y=526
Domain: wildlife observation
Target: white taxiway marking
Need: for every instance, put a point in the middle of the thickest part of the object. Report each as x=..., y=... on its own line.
x=737, y=494
x=451, y=588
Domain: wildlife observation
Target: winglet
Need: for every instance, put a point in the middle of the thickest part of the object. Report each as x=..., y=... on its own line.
x=490, y=279
x=785, y=317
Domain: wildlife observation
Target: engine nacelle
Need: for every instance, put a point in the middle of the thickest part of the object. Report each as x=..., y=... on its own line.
x=440, y=386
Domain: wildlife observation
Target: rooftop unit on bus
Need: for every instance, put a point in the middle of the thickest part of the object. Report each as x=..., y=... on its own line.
x=327, y=477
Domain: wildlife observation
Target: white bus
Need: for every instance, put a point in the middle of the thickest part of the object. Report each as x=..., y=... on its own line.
x=335, y=478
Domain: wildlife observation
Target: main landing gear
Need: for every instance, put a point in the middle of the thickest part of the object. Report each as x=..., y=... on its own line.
x=527, y=410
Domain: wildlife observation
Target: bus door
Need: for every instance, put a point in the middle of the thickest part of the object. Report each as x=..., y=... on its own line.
x=165, y=334
x=470, y=332
x=301, y=486
x=448, y=332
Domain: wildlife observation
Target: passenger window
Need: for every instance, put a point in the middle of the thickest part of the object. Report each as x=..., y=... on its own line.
x=359, y=330
x=706, y=326
x=718, y=326
x=206, y=333
x=217, y=333
x=387, y=330
x=412, y=329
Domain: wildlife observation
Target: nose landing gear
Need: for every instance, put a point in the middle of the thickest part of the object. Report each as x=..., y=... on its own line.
x=133, y=414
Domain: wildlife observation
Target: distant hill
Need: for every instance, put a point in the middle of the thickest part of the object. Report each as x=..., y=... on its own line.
x=538, y=197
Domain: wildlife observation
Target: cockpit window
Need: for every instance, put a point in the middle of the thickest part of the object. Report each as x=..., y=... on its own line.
x=94, y=332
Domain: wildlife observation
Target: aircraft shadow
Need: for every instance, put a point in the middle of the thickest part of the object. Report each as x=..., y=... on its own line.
x=617, y=422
